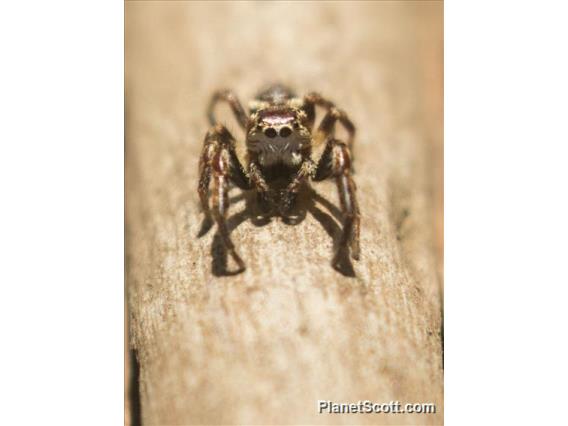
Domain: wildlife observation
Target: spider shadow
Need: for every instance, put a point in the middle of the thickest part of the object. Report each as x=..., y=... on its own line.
x=344, y=265
x=309, y=201
x=208, y=222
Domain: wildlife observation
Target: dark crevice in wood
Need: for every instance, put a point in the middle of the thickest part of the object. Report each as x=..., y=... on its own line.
x=134, y=390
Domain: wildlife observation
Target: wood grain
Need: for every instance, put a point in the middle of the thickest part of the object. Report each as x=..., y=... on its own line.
x=263, y=346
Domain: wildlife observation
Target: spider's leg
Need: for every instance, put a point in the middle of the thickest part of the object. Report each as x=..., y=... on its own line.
x=218, y=137
x=256, y=177
x=205, y=176
x=219, y=162
x=306, y=171
x=229, y=97
x=327, y=126
x=220, y=166
x=333, y=115
x=310, y=102
x=266, y=195
x=336, y=162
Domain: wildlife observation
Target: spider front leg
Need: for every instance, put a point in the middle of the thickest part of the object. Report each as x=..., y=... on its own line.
x=229, y=97
x=336, y=162
x=306, y=171
x=266, y=196
x=219, y=162
x=327, y=125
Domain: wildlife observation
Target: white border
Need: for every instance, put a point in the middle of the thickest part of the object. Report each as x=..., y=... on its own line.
x=61, y=224
x=506, y=213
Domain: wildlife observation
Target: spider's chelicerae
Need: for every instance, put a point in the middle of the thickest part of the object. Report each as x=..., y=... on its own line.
x=279, y=141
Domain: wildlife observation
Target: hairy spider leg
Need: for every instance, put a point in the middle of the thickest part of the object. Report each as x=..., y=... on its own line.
x=306, y=171
x=219, y=162
x=233, y=101
x=336, y=162
x=333, y=115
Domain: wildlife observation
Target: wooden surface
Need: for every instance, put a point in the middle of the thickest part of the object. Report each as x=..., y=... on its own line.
x=263, y=346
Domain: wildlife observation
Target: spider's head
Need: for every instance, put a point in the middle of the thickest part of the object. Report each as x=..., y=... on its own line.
x=278, y=133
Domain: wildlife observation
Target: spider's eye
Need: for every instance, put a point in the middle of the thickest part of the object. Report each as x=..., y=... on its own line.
x=296, y=125
x=285, y=132
x=270, y=132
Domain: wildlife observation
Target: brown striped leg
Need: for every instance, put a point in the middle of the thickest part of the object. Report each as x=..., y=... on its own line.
x=218, y=162
x=310, y=102
x=288, y=197
x=336, y=162
x=266, y=196
x=229, y=97
x=218, y=137
x=327, y=126
x=209, y=149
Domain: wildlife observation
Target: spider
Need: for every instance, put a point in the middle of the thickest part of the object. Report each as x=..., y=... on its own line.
x=279, y=140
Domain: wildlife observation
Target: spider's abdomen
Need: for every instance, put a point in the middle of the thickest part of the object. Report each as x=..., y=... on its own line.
x=275, y=94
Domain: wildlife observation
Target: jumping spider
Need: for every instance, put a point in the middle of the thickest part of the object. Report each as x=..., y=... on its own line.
x=279, y=141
